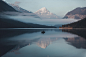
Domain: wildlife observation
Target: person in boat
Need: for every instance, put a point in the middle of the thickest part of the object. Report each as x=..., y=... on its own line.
x=43, y=32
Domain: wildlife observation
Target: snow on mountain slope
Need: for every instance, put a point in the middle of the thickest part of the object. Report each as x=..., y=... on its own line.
x=24, y=11
x=16, y=7
x=44, y=13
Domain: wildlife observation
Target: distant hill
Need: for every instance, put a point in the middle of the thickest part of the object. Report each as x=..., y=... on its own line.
x=79, y=24
x=9, y=23
x=44, y=13
x=5, y=7
x=40, y=26
x=78, y=13
x=58, y=25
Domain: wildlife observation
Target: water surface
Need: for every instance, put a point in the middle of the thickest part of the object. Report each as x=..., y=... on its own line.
x=33, y=43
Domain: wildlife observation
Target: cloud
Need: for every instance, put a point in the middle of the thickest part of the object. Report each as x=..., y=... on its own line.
x=17, y=3
x=13, y=1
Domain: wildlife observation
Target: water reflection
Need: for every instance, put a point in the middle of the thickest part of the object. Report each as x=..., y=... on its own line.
x=31, y=43
x=79, y=32
x=77, y=42
x=44, y=42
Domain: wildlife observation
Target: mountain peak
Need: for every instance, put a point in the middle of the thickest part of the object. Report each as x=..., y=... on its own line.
x=43, y=9
x=44, y=13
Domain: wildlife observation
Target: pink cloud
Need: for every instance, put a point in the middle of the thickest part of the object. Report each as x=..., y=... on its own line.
x=17, y=2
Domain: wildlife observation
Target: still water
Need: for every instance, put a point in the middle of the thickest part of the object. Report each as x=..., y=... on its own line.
x=33, y=43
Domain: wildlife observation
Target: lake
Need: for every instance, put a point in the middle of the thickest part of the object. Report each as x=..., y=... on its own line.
x=33, y=43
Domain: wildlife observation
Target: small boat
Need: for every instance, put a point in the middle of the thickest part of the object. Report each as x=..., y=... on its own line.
x=43, y=32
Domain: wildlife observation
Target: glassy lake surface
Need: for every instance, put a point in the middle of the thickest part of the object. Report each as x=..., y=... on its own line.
x=32, y=43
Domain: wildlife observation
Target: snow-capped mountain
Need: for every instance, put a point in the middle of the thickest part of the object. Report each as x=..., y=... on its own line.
x=16, y=7
x=25, y=12
x=44, y=13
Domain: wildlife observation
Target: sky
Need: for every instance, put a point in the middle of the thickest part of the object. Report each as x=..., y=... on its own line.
x=58, y=7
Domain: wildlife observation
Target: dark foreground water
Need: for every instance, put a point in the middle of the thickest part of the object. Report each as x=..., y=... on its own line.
x=33, y=43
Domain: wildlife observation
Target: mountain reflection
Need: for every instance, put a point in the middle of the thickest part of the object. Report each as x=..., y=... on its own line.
x=41, y=42
x=79, y=32
x=6, y=34
x=23, y=44
x=77, y=42
x=44, y=42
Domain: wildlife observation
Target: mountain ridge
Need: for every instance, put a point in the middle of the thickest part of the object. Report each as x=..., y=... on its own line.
x=78, y=13
x=5, y=7
x=24, y=11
